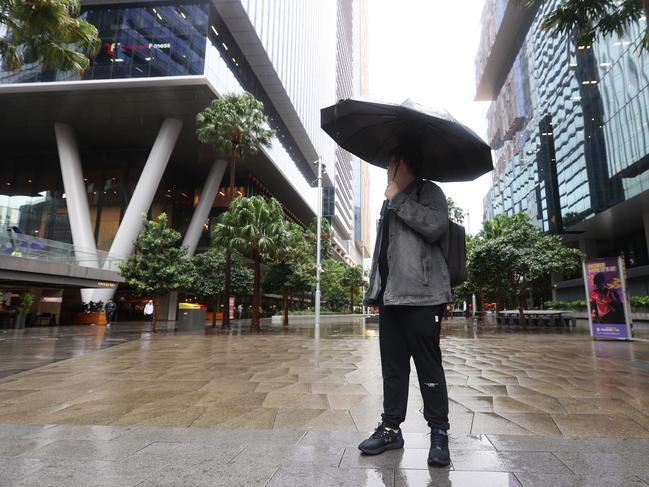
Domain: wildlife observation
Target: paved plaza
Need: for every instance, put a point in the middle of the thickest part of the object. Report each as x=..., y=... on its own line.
x=90, y=406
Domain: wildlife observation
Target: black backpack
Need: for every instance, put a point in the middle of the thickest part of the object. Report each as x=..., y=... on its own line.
x=453, y=246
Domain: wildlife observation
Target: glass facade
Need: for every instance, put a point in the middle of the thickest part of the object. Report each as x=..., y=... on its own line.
x=328, y=203
x=582, y=145
x=32, y=197
x=138, y=42
x=172, y=39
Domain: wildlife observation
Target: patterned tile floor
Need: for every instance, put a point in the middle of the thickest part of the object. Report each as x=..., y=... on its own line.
x=527, y=407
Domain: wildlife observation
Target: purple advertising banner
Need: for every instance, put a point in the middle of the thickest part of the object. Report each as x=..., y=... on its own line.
x=605, y=295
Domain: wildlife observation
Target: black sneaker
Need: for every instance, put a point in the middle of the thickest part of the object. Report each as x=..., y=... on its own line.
x=382, y=439
x=438, y=455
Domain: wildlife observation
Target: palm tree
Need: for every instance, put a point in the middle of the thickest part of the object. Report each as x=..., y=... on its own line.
x=234, y=125
x=455, y=213
x=292, y=269
x=353, y=279
x=592, y=18
x=48, y=31
x=255, y=227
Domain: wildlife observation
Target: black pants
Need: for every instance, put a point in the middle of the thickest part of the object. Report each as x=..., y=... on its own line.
x=412, y=331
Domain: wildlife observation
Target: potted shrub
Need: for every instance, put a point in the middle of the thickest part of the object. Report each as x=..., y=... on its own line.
x=23, y=307
x=639, y=304
x=91, y=313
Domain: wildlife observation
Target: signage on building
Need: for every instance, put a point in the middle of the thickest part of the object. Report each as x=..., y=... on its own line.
x=111, y=47
x=107, y=284
x=607, y=301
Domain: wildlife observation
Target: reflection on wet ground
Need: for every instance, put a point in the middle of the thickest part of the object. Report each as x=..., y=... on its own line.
x=29, y=348
x=288, y=407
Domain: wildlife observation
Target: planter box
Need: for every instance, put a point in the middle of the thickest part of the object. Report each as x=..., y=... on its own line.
x=20, y=321
x=98, y=318
x=328, y=318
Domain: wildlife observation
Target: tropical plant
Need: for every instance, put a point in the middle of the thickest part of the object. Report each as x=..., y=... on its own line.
x=255, y=227
x=639, y=301
x=158, y=264
x=46, y=31
x=326, y=238
x=334, y=293
x=578, y=305
x=502, y=225
x=235, y=125
x=292, y=269
x=353, y=279
x=25, y=304
x=511, y=255
x=594, y=18
x=208, y=276
x=455, y=213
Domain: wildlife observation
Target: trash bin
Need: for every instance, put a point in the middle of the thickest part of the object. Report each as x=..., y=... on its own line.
x=191, y=319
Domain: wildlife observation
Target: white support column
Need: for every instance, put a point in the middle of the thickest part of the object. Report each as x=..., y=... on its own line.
x=76, y=197
x=143, y=194
x=202, y=210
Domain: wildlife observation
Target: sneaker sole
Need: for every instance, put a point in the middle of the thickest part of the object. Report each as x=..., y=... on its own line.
x=439, y=464
x=389, y=446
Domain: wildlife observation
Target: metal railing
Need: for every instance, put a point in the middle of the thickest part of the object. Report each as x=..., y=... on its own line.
x=29, y=247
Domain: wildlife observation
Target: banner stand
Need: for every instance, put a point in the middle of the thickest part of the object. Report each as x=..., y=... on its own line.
x=607, y=301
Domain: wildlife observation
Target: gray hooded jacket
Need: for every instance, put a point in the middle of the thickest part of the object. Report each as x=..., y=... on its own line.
x=417, y=270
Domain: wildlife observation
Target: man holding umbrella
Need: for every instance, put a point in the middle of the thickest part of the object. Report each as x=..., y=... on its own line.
x=409, y=283
x=409, y=280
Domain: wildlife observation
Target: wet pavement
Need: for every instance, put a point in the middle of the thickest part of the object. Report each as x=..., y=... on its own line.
x=287, y=407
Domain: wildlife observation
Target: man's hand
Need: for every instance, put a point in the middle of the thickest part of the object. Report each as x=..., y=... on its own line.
x=392, y=190
x=397, y=181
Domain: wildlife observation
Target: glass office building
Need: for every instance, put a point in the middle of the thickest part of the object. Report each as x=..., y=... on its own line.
x=122, y=133
x=569, y=123
x=182, y=40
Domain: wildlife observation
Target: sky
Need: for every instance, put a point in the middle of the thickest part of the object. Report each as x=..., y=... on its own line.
x=425, y=50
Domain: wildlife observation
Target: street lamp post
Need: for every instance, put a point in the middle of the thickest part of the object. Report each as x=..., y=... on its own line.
x=318, y=234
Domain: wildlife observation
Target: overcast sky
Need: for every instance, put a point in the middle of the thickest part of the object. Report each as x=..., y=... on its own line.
x=425, y=50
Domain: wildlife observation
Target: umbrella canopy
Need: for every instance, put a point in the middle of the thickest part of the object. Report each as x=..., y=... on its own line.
x=371, y=130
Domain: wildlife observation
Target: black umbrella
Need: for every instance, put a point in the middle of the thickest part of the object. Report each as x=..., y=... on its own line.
x=370, y=130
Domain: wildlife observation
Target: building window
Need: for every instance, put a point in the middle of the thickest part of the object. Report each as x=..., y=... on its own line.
x=137, y=42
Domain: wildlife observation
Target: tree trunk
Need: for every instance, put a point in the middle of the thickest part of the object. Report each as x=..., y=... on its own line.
x=521, y=308
x=233, y=164
x=285, y=299
x=214, y=308
x=153, y=316
x=225, y=322
x=351, y=300
x=256, y=295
